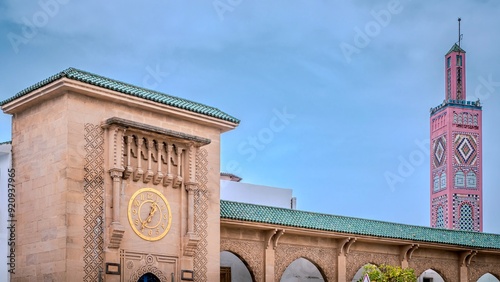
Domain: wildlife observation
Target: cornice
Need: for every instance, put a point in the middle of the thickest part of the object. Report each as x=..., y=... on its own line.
x=65, y=85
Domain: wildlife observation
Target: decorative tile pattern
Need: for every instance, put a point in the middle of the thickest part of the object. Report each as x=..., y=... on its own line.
x=465, y=221
x=439, y=151
x=201, y=215
x=439, y=214
x=466, y=177
x=440, y=217
x=443, y=180
x=459, y=179
x=466, y=149
x=471, y=180
x=93, y=188
x=439, y=179
x=462, y=216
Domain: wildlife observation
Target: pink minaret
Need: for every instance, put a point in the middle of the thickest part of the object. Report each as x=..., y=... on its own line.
x=456, y=152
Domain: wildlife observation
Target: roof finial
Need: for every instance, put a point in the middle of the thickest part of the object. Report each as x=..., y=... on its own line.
x=459, y=34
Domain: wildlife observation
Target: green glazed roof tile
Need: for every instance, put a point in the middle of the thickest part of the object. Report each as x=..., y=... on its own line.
x=351, y=225
x=455, y=48
x=128, y=89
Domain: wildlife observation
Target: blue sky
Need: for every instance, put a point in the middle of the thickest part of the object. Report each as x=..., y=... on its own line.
x=332, y=95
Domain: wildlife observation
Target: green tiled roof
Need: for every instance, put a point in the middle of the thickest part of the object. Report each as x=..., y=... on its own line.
x=6, y=142
x=128, y=89
x=350, y=225
x=455, y=48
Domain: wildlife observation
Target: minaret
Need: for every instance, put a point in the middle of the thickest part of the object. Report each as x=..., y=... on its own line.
x=456, y=152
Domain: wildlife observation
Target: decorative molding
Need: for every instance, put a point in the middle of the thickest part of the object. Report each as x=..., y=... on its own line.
x=466, y=257
x=154, y=159
x=250, y=252
x=323, y=258
x=277, y=237
x=190, y=241
x=116, y=232
x=201, y=197
x=269, y=236
x=345, y=245
x=93, y=189
x=407, y=251
x=147, y=269
x=128, y=124
x=138, y=264
x=448, y=269
x=273, y=236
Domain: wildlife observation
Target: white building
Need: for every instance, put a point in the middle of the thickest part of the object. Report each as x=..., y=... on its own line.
x=231, y=189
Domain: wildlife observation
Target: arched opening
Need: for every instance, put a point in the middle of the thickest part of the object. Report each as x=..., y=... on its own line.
x=430, y=276
x=233, y=268
x=148, y=277
x=488, y=278
x=359, y=274
x=302, y=270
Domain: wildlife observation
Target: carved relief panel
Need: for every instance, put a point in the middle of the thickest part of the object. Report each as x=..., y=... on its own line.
x=153, y=173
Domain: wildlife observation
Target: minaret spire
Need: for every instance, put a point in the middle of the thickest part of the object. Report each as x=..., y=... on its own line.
x=459, y=34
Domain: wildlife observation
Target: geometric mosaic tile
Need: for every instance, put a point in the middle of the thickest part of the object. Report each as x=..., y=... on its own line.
x=466, y=212
x=439, y=151
x=465, y=149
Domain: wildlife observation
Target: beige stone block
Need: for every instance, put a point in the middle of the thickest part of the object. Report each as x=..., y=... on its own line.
x=74, y=174
x=75, y=186
x=28, y=271
x=75, y=195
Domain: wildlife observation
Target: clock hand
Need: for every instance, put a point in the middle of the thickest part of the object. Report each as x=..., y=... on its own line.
x=154, y=207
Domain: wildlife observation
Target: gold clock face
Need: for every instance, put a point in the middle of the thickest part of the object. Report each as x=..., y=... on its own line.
x=149, y=214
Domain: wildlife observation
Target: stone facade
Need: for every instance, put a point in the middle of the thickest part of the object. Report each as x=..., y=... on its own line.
x=267, y=250
x=80, y=153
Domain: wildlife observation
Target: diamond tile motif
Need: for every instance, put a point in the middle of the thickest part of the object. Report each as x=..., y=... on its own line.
x=465, y=149
x=439, y=151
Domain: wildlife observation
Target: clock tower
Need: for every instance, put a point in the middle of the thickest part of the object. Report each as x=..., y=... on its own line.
x=456, y=194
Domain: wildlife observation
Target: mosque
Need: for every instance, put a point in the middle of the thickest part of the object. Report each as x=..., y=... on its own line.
x=113, y=182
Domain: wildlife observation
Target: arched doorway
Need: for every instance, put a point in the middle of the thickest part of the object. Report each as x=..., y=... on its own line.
x=302, y=270
x=361, y=271
x=488, y=278
x=233, y=269
x=148, y=277
x=430, y=276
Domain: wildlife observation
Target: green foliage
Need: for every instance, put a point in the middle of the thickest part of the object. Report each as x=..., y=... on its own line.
x=389, y=273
